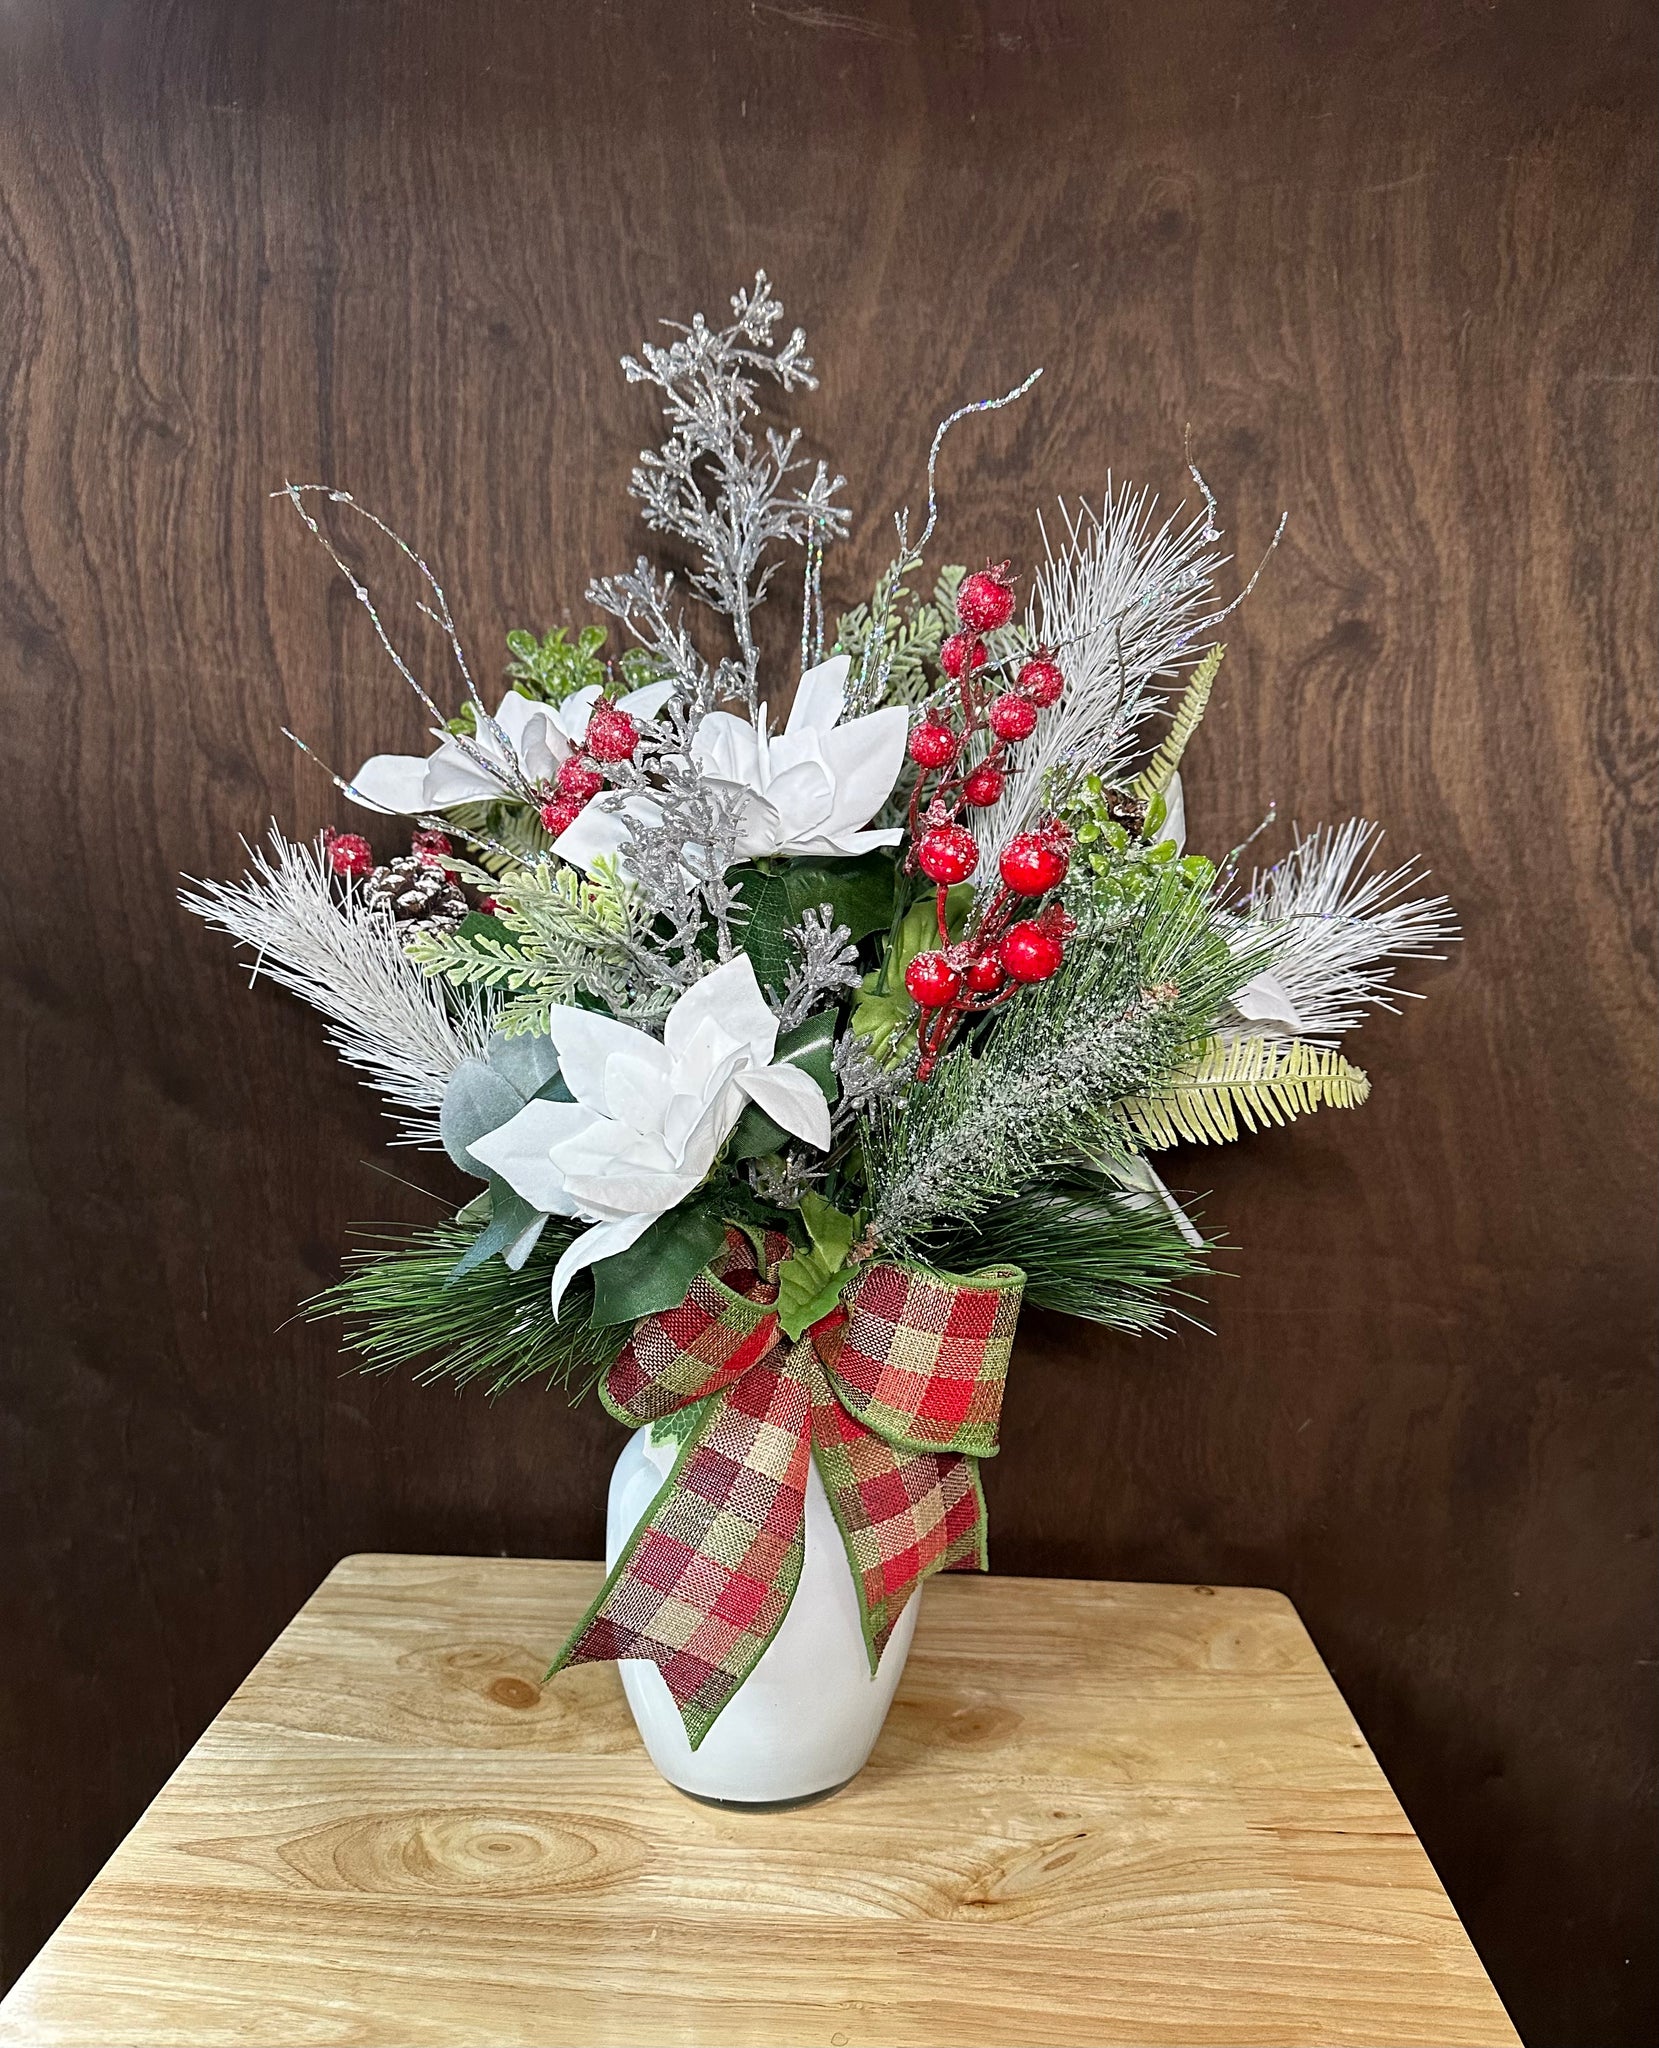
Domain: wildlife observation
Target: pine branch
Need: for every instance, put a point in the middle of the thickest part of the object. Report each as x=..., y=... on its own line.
x=1085, y=1251
x=1248, y=1082
x=401, y=1305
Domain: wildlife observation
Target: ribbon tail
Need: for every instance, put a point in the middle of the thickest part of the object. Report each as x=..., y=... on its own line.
x=903, y=1515
x=705, y=1580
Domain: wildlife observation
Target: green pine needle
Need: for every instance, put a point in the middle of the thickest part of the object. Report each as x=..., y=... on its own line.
x=1086, y=1250
x=400, y=1306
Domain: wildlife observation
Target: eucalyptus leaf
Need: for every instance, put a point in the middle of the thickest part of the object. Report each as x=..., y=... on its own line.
x=512, y=1230
x=477, y=1100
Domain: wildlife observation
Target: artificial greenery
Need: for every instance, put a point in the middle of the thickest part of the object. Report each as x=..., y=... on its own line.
x=1154, y=778
x=1087, y=1249
x=401, y=1301
x=554, y=667
x=1244, y=1084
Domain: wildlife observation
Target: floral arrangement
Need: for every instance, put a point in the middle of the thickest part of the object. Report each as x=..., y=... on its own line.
x=786, y=1060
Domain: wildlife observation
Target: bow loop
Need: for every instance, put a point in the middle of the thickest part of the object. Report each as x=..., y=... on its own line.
x=685, y=1354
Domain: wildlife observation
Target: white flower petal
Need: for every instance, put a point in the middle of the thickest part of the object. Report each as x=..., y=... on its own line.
x=574, y=713
x=1175, y=818
x=394, y=783
x=513, y=714
x=728, y=749
x=731, y=996
x=648, y=701
x=791, y=1098
x=603, y=1241
x=454, y=777
x=599, y=833
x=520, y=1151
x=821, y=696
x=1266, y=1001
x=585, y=1041
x=864, y=759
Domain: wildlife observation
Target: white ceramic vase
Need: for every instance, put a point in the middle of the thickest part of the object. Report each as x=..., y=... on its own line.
x=807, y=1716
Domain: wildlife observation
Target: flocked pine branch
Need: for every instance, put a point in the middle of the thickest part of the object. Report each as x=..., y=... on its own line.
x=1125, y=600
x=327, y=946
x=1338, y=928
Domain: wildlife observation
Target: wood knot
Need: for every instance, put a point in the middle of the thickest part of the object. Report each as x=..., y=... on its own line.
x=514, y=1692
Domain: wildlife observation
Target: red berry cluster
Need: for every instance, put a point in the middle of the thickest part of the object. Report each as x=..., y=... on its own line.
x=1000, y=952
x=612, y=735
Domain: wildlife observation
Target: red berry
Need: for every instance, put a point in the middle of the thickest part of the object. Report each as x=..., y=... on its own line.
x=487, y=906
x=1033, y=863
x=611, y=735
x=985, y=976
x=948, y=854
x=1013, y=718
x=986, y=600
x=1031, y=954
x=349, y=853
x=578, y=779
x=930, y=980
x=559, y=817
x=933, y=744
x=1040, y=680
x=961, y=651
x=984, y=785
x=429, y=847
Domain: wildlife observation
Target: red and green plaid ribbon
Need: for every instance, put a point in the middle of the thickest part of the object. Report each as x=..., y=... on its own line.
x=896, y=1394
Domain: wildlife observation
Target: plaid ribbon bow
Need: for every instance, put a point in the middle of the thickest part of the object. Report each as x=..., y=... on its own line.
x=896, y=1393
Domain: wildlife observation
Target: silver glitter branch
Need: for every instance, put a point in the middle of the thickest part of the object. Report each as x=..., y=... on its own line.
x=1338, y=928
x=826, y=966
x=729, y=493
x=348, y=962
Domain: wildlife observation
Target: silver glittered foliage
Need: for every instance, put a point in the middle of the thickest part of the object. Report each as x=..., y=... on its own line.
x=825, y=966
x=731, y=491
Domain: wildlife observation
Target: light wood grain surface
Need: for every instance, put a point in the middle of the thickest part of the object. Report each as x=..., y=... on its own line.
x=1098, y=1813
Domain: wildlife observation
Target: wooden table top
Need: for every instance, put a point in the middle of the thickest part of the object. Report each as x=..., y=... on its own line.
x=1098, y=1813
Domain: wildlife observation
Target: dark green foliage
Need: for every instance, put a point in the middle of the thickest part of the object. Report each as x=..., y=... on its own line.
x=859, y=893
x=1087, y=1249
x=654, y=1273
x=400, y=1303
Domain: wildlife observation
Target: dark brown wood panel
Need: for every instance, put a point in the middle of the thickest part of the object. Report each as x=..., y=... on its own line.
x=1395, y=264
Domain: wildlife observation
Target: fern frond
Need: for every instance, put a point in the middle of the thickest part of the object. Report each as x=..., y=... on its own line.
x=1245, y=1083
x=1153, y=779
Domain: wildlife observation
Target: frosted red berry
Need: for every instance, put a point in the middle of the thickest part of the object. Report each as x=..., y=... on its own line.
x=559, y=816
x=578, y=779
x=1030, y=953
x=1013, y=718
x=430, y=848
x=933, y=744
x=984, y=785
x=1040, y=680
x=986, y=600
x=948, y=854
x=487, y=906
x=1032, y=863
x=962, y=651
x=349, y=853
x=611, y=735
x=985, y=976
x=930, y=980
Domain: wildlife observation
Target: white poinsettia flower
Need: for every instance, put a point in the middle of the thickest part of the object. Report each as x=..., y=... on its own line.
x=811, y=789
x=530, y=742
x=649, y=1116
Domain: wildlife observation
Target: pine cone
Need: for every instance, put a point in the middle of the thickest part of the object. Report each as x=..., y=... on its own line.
x=1126, y=809
x=418, y=897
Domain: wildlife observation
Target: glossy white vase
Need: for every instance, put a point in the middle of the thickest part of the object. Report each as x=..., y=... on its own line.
x=807, y=1716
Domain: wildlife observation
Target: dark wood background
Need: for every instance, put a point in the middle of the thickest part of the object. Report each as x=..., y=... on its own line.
x=1396, y=266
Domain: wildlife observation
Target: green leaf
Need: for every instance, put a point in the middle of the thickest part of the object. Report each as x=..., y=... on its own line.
x=812, y=1280
x=810, y=1046
x=654, y=1273
x=883, y=1012
x=859, y=894
x=476, y=1100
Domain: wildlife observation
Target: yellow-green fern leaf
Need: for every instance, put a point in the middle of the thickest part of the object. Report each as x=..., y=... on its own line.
x=1245, y=1084
x=1153, y=779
